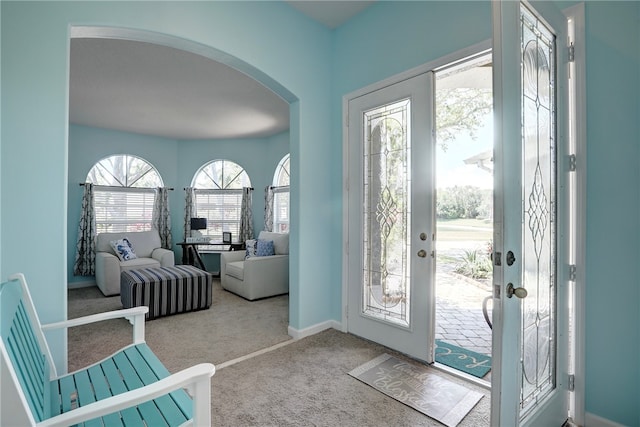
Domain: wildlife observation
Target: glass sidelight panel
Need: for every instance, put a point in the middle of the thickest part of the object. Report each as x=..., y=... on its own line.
x=387, y=213
x=539, y=197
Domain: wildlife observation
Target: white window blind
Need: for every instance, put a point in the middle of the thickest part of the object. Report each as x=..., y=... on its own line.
x=281, y=209
x=222, y=210
x=123, y=209
x=281, y=180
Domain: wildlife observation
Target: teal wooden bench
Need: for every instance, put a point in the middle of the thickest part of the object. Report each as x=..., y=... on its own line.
x=129, y=388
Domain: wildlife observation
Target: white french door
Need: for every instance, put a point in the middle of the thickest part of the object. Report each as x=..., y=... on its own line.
x=390, y=216
x=532, y=225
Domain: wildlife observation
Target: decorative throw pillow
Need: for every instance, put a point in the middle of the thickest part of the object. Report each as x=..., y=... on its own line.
x=252, y=247
x=123, y=249
x=265, y=248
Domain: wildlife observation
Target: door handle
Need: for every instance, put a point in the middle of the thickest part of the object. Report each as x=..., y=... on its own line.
x=422, y=253
x=519, y=292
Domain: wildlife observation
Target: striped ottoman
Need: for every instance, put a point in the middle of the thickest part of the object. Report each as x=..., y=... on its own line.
x=166, y=290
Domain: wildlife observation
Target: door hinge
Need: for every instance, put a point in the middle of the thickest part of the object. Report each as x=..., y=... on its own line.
x=573, y=163
x=572, y=382
x=573, y=272
x=572, y=53
x=346, y=311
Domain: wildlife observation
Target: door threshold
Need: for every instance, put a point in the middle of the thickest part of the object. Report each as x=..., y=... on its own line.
x=462, y=375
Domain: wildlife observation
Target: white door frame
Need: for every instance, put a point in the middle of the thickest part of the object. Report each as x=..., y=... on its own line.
x=576, y=15
x=577, y=97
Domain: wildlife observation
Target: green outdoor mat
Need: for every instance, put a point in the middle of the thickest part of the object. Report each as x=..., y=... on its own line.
x=464, y=360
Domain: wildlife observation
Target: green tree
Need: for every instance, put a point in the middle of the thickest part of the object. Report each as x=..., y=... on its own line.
x=463, y=202
x=460, y=109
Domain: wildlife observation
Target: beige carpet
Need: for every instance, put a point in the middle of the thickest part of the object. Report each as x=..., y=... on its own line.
x=304, y=383
x=230, y=328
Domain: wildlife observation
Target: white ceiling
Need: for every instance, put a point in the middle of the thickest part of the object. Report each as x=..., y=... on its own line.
x=162, y=91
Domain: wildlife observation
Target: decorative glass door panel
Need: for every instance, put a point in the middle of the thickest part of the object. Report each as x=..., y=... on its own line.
x=389, y=216
x=539, y=192
x=532, y=217
x=387, y=213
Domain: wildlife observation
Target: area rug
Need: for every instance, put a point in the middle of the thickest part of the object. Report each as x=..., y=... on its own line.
x=464, y=360
x=416, y=386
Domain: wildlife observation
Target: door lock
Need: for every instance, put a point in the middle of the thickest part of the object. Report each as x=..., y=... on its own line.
x=519, y=292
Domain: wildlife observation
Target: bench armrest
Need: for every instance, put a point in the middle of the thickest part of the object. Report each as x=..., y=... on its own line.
x=197, y=379
x=134, y=315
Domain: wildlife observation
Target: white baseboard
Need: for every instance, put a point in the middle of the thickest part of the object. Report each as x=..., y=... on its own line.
x=592, y=420
x=78, y=285
x=297, y=334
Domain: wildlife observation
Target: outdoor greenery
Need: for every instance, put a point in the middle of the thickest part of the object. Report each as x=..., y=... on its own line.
x=460, y=109
x=464, y=202
x=475, y=264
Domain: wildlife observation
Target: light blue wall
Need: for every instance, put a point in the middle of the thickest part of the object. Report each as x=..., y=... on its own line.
x=268, y=40
x=613, y=211
x=177, y=162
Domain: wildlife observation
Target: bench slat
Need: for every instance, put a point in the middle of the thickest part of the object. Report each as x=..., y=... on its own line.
x=102, y=391
x=143, y=359
x=29, y=341
x=86, y=395
x=130, y=416
x=27, y=381
x=181, y=398
x=150, y=412
x=68, y=397
x=132, y=381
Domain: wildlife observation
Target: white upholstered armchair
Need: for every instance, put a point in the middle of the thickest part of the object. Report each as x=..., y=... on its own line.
x=258, y=276
x=148, y=250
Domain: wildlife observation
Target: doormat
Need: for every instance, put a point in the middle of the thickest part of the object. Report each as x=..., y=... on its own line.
x=462, y=359
x=419, y=388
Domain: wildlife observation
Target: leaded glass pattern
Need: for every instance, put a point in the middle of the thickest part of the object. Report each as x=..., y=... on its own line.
x=387, y=210
x=539, y=202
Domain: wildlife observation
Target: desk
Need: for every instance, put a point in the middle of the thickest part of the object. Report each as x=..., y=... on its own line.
x=190, y=254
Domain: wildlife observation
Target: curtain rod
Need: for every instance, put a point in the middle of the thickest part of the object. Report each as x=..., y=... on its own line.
x=114, y=186
x=219, y=189
x=275, y=187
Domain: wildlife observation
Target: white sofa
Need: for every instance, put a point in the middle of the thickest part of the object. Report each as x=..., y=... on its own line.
x=146, y=245
x=258, y=276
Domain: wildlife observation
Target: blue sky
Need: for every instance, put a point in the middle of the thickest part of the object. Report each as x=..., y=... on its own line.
x=450, y=168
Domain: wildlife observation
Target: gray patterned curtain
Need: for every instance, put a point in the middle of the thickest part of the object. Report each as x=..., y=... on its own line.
x=268, y=208
x=85, y=262
x=189, y=210
x=161, y=218
x=246, y=216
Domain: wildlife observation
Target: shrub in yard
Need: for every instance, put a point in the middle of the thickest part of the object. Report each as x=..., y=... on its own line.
x=474, y=264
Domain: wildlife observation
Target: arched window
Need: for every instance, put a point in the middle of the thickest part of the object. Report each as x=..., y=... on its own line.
x=124, y=193
x=218, y=192
x=281, y=196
